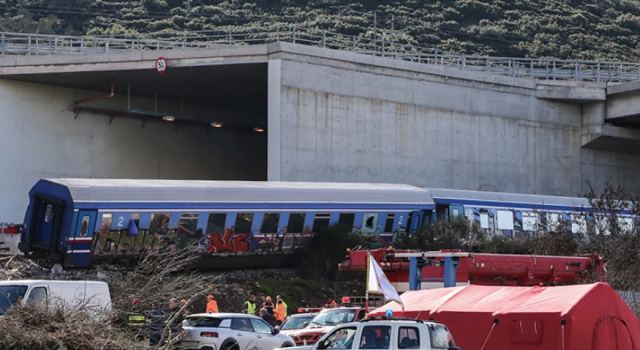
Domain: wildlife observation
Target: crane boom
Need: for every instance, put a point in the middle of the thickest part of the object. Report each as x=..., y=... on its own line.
x=480, y=268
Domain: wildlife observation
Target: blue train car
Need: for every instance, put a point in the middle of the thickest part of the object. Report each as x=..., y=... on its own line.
x=514, y=214
x=76, y=221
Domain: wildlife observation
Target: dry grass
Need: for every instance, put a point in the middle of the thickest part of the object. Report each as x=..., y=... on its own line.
x=53, y=327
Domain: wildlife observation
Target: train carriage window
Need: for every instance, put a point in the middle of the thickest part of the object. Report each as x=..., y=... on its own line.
x=270, y=223
x=295, y=223
x=139, y=239
x=84, y=228
x=484, y=220
x=346, y=220
x=578, y=224
x=388, y=225
x=188, y=224
x=135, y=217
x=601, y=223
x=505, y=220
x=626, y=224
x=105, y=223
x=321, y=222
x=107, y=240
x=409, y=220
x=553, y=221
x=162, y=236
x=243, y=222
x=159, y=223
x=369, y=223
x=48, y=216
x=529, y=221
x=216, y=223
x=186, y=229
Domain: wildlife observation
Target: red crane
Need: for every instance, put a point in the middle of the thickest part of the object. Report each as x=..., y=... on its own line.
x=480, y=268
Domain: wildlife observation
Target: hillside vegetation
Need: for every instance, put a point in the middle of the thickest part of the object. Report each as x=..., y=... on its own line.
x=585, y=29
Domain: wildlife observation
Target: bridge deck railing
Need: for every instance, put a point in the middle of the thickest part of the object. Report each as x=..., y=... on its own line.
x=391, y=46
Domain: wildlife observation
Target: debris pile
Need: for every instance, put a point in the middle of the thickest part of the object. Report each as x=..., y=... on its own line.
x=39, y=327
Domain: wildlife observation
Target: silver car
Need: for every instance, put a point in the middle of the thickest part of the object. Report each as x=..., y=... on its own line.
x=227, y=331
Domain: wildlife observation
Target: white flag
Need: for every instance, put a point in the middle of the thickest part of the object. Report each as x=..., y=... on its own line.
x=377, y=282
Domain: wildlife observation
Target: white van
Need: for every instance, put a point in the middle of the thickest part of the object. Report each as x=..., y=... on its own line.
x=92, y=295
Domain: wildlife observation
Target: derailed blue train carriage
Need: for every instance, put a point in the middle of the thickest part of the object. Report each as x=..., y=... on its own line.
x=78, y=221
x=515, y=214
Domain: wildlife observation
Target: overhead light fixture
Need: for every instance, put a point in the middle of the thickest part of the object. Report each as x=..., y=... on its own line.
x=169, y=118
x=258, y=129
x=216, y=124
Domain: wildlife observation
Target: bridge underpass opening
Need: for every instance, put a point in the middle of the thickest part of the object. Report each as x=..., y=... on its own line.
x=205, y=122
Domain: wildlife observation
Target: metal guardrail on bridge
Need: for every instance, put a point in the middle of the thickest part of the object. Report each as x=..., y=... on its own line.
x=384, y=46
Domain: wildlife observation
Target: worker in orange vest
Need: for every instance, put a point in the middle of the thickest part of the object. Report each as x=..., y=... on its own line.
x=280, y=310
x=212, y=305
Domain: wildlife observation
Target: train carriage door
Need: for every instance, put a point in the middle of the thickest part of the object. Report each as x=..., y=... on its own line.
x=415, y=221
x=81, y=239
x=46, y=224
x=83, y=233
x=456, y=211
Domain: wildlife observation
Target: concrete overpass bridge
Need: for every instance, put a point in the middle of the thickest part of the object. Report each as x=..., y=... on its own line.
x=311, y=106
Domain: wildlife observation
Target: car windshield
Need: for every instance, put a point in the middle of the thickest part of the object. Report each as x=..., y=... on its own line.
x=333, y=317
x=296, y=322
x=9, y=296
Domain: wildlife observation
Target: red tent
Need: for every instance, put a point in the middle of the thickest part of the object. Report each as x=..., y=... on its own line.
x=577, y=317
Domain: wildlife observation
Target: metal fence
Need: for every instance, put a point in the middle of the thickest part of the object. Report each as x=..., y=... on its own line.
x=391, y=46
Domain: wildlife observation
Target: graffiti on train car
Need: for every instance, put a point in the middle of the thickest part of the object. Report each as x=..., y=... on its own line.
x=122, y=234
x=227, y=242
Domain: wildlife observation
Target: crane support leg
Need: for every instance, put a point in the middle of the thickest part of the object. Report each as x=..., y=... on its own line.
x=414, y=274
x=449, y=272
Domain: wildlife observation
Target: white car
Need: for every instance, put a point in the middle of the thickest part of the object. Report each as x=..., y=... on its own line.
x=228, y=331
x=386, y=335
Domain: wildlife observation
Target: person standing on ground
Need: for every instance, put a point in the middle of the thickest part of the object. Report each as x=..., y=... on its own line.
x=156, y=326
x=212, y=305
x=281, y=310
x=267, y=317
x=136, y=319
x=268, y=305
x=250, y=306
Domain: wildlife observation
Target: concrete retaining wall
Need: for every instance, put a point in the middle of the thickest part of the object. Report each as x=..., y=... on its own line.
x=341, y=121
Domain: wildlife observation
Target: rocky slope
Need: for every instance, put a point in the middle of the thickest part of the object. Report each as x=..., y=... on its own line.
x=591, y=29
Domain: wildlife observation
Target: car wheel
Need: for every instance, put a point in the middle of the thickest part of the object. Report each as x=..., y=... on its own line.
x=231, y=346
x=286, y=345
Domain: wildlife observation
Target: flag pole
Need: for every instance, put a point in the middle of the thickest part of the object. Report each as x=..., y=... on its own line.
x=366, y=293
x=366, y=302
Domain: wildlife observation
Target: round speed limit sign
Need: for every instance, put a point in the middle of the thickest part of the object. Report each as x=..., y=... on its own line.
x=161, y=65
